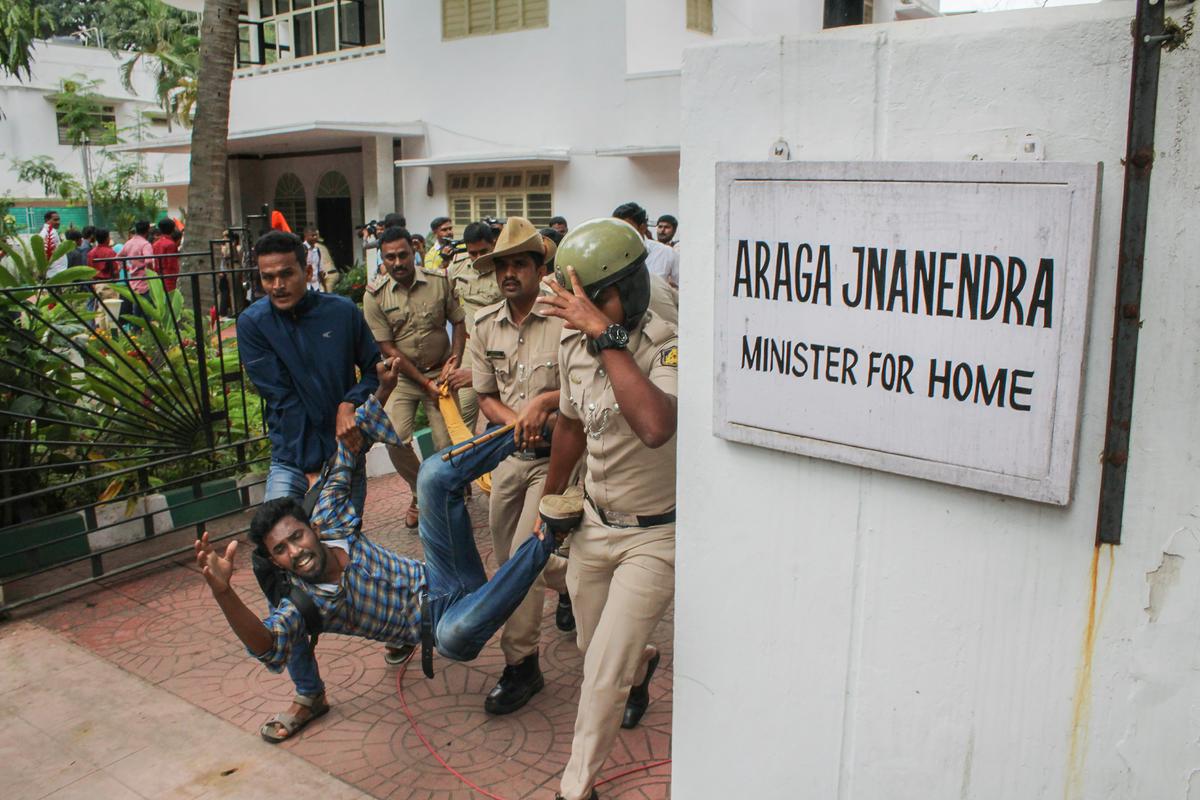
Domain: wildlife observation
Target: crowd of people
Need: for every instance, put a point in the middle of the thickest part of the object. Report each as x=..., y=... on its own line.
x=145, y=247
x=563, y=342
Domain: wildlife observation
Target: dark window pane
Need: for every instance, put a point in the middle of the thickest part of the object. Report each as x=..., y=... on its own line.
x=266, y=8
x=371, y=11
x=349, y=22
x=302, y=35
x=326, y=33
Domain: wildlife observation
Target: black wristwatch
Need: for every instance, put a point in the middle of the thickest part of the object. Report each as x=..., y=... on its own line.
x=615, y=337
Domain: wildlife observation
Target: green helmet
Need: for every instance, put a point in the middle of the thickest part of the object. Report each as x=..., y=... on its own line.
x=602, y=251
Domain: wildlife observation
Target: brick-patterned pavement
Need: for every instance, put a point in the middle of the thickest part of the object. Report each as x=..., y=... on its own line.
x=164, y=627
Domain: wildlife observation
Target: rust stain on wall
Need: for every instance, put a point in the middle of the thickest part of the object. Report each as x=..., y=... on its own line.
x=1082, y=703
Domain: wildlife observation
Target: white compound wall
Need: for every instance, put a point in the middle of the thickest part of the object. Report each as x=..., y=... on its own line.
x=845, y=633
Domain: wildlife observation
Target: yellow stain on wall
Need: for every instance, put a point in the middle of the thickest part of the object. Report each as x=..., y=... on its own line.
x=1082, y=704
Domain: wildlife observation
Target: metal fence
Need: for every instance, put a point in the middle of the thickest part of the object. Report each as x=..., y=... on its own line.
x=127, y=426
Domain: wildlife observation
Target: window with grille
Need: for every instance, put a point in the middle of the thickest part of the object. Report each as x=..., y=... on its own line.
x=290, y=201
x=278, y=30
x=700, y=16
x=462, y=18
x=104, y=132
x=501, y=194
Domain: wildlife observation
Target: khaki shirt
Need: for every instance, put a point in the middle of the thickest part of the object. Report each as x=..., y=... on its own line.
x=623, y=474
x=414, y=318
x=515, y=362
x=475, y=290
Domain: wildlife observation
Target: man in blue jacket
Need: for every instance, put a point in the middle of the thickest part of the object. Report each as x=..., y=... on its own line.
x=305, y=352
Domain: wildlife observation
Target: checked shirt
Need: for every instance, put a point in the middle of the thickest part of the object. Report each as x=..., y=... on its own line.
x=379, y=595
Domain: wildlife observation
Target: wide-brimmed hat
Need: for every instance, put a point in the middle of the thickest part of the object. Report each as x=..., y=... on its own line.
x=519, y=236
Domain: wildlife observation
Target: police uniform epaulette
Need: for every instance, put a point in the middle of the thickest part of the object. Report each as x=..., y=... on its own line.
x=378, y=282
x=657, y=329
x=488, y=311
x=441, y=273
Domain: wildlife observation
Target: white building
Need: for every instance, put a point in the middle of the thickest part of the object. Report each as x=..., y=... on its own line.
x=509, y=107
x=30, y=126
x=844, y=632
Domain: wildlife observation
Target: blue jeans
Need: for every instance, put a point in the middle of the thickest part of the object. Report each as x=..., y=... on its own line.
x=466, y=608
x=284, y=480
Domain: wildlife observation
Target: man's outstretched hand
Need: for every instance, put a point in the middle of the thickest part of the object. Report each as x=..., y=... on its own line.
x=216, y=568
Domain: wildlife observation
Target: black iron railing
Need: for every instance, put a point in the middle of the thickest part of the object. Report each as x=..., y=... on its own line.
x=127, y=425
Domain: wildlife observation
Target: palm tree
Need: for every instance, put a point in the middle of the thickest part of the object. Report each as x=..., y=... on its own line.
x=170, y=38
x=21, y=25
x=210, y=130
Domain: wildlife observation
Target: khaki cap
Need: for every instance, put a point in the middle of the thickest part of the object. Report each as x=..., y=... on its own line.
x=519, y=236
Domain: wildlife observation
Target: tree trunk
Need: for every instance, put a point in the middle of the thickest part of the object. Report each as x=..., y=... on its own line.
x=210, y=133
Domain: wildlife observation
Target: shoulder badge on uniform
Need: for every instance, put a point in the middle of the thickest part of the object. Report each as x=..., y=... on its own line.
x=378, y=282
x=488, y=310
x=441, y=273
x=670, y=356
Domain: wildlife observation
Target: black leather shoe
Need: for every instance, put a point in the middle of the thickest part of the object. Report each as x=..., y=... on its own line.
x=564, y=617
x=639, y=696
x=517, y=685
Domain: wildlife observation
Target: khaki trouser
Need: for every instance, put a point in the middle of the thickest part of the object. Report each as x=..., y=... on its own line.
x=468, y=400
x=621, y=580
x=512, y=512
x=401, y=411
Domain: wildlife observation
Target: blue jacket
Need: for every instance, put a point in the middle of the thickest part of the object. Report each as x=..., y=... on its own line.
x=302, y=362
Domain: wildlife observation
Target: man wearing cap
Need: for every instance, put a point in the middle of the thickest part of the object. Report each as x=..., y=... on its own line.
x=618, y=365
x=407, y=310
x=476, y=288
x=515, y=355
x=442, y=250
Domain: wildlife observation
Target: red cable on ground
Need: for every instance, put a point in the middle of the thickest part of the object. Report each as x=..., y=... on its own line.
x=429, y=746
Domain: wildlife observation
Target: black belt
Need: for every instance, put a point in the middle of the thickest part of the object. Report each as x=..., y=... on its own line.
x=619, y=519
x=532, y=455
x=426, y=637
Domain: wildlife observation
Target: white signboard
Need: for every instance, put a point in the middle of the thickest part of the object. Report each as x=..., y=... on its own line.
x=927, y=319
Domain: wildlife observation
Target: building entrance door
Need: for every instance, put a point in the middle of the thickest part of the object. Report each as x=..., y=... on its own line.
x=337, y=228
x=334, y=219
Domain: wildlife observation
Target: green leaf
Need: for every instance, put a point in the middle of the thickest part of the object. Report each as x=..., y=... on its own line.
x=26, y=405
x=72, y=274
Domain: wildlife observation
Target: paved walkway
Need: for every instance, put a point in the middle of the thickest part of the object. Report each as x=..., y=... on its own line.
x=77, y=727
x=163, y=631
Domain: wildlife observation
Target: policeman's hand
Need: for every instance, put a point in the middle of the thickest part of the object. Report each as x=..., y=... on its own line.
x=574, y=308
x=539, y=530
x=528, y=426
x=346, y=429
x=447, y=368
x=459, y=379
x=216, y=568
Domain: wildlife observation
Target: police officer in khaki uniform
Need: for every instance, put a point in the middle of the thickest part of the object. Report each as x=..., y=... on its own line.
x=475, y=285
x=407, y=310
x=515, y=353
x=618, y=366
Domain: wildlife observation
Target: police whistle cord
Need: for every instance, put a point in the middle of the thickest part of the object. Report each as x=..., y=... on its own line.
x=412, y=721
